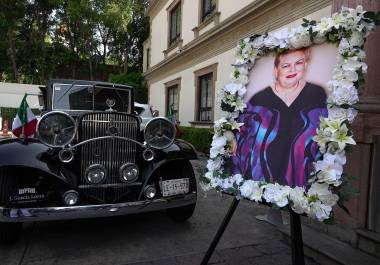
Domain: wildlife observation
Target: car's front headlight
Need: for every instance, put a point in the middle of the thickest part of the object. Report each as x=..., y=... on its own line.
x=159, y=133
x=56, y=129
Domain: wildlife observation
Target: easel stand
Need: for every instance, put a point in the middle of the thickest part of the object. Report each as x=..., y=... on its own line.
x=296, y=239
x=296, y=236
x=220, y=231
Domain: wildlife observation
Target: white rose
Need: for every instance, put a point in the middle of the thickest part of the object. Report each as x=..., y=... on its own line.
x=319, y=211
x=356, y=39
x=300, y=37
x=226, y=183
x=215, y=182
x=344, y=95
x=232, y=88
x=299, y=200
x=344, y=46
x=352, y=64
x=342, y=114
x=258, y=42
x=251, y=190
x=281, y=38
x=270, y=42
x=237, y=178
x=217, y=146
x=276, y=194
x=214, y=164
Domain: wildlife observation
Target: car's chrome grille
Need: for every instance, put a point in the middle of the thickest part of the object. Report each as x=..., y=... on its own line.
x=112, y=153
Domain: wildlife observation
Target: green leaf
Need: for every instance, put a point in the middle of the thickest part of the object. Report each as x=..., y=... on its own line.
x=371, y=15
x=330, y=221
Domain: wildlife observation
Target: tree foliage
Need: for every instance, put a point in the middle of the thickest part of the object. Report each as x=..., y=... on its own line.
x=87, y=39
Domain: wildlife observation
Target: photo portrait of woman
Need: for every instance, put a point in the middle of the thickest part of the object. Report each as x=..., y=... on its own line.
x=275, y=143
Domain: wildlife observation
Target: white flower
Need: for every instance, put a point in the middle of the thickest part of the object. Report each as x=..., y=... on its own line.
x=217, y=146
x=215, y=182
x=319, y=38
x=344, y=46
x=356, y=39
x=319, y=211
x=299, y=200
x=338, y=20
x=300, y=37
x=340, y=75
x=323, y=193
x=258, y=42
x=324, y=25
x=353, y=64
x=330, y=169
x=337, y=113
x=214, y=164
x=251, y=190
x=270, y=42
x=218, y=125
x=238, y=104
x=234, y=88
x=238, y=179
x=226, y=183
x=344, y=95
x=240, y=75
x=280, y=38
x=276, y=194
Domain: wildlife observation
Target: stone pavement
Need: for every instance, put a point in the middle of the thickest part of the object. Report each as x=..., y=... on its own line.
x=153, y=239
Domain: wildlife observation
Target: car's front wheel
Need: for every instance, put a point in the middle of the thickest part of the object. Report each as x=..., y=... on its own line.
x=181, y=214
x=9, y=232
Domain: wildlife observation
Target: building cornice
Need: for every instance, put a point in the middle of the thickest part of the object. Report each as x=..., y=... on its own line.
x=153, y=5
x=241, y=24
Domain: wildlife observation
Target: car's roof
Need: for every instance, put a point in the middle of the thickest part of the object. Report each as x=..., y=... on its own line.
x=88, y=82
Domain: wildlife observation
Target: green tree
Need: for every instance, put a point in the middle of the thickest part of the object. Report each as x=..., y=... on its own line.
x=136, y=80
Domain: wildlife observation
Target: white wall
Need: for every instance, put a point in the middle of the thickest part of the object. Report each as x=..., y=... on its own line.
x=190, y=13
x=187, y=93
x=11, y=95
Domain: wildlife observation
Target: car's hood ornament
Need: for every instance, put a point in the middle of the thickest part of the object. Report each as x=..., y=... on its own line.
x=110, y=103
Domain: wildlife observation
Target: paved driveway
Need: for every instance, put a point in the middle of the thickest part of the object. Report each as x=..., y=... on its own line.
x=152, y=238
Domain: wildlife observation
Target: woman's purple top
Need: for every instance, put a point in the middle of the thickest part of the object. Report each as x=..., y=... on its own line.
x=275, y=143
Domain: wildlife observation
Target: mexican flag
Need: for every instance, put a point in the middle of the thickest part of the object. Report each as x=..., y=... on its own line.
x=25, y=122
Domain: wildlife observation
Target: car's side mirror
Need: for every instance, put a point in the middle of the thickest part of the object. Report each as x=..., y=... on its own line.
x=156, y=113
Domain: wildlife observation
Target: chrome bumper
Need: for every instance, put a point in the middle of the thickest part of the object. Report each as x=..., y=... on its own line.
x=91, y=211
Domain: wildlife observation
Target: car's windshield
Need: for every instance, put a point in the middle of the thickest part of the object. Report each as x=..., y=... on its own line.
x=89, y=97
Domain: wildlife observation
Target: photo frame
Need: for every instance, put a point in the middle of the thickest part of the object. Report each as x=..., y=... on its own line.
x=316, y=196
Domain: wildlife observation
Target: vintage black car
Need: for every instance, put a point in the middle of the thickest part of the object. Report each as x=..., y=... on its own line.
x=91, y=159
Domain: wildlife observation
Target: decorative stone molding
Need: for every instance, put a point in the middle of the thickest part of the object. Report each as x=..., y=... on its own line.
x=215, y=18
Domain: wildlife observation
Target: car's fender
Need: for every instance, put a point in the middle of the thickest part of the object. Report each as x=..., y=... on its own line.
x=180, y=149
x=29, y=153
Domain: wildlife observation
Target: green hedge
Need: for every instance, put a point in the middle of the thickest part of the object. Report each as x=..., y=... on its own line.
x=10, y=113
x=199, y=137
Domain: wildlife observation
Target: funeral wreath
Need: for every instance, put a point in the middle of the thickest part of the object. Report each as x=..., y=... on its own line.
x=347, y=29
